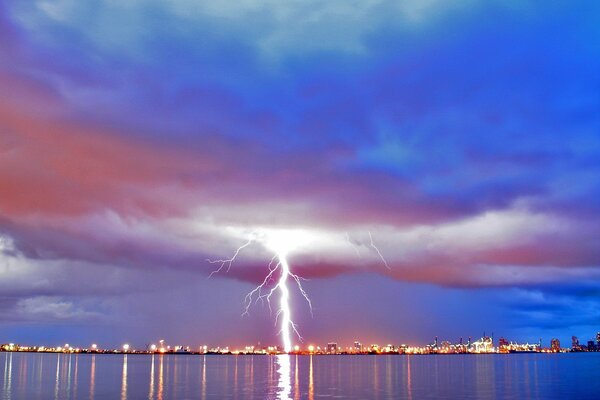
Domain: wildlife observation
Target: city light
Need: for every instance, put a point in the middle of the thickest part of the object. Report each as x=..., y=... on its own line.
x=483, y=345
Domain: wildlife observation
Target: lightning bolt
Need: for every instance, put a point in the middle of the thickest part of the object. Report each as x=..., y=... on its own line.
x=263, y=293
x=227, y=262
x=278, y=278
x=284, y=305
x=372, y=244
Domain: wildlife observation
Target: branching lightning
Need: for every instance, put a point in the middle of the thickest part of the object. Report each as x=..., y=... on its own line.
x=227, y=262
x=355, y=245
x=262, y=292
x=372, y=244
x=279, y=276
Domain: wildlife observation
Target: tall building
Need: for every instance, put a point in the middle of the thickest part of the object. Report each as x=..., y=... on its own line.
x=357, y=347
x=591, y=346
x=555, y=345
x=598, y=339
x=575, y=344
x=332, y=348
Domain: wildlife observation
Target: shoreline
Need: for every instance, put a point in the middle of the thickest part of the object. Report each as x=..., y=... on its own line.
x=109, y=353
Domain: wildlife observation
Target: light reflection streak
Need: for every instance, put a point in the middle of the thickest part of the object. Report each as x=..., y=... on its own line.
x=271, y=383
x=204, y=378
x=247, y=375
x=69, y=376
x=10, y=363
x=284, y=371
x=40, y=370
x=93, y=377
x=75, y=377
x=5, y=371
x=160, y=379
x=8, y=376
x=151, y=390
x=57, y=377
x=124, y=379
x=252, y=373
x=235, y=376
x=296, y=382
x=22, y=376
x=311, y=385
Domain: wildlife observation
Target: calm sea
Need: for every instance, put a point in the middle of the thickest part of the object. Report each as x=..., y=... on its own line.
x=84, y=376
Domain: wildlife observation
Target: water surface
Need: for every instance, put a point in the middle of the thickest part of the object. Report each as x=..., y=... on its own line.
x=127, y=377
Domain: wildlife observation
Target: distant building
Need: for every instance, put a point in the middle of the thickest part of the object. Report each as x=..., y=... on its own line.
x=598, y=340
x=357, y=347
x=503, y=345
x=332, y=348
x=591, y=346
x=555, y=345
x=575, y=344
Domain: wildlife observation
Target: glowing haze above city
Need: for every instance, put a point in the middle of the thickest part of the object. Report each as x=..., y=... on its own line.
x=420, y=168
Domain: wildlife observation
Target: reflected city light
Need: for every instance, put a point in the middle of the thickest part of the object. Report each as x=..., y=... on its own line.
x=124, y=379
x=284, y=384
x=57, y=377
x=69, y=380
x=39, y=377
x=159, y=395
x=296, y=382
x=93, y=377
x=151, y=390
x=311, y=386
x=8, y=377
x=252, y=371
x=204, y=378
x=235, y=376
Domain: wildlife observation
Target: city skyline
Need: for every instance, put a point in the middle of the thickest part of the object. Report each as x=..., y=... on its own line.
x=429, y=168
x=483, y=345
